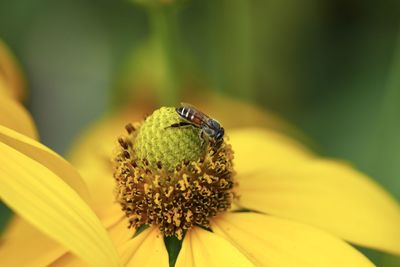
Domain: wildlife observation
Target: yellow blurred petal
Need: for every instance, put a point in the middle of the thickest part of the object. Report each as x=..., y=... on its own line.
x=203, y=248
x=11, y=74
x=24, y=245
x=44, y=200
x=68, y=260
x=119, y=232
x=40, y=250
x=92, y=155
x=323, y=193
x=13, y=115
x=46, y=157
x=146, y=249
x=4, y=91
x=110, y=214
x=259, y=148
x=233, y=113
x=269, y=241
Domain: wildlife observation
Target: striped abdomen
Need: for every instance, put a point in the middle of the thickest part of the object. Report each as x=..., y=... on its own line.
x=191, y=115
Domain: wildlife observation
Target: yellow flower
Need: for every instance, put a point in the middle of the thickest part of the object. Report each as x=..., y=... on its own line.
x=295, y=209
x=299, y=208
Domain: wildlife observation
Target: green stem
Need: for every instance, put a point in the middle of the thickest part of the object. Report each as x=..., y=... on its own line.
x=386, y=148
x=233, y=38
x=392, y=96
x=164, y=31
x=242, y=17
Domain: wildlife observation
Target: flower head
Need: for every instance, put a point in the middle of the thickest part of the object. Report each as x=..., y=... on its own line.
x=167, y=178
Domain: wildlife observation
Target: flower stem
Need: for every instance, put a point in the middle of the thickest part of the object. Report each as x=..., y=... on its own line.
x=232, y=36
x=242, y=17
x=392, y=96
x=164, y=31
x=386, y=149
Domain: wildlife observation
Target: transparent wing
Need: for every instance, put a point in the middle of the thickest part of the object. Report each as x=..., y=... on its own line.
x=187, y=105
x=198, y=113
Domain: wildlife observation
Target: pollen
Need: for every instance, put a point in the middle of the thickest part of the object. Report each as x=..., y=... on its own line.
x=168, y=177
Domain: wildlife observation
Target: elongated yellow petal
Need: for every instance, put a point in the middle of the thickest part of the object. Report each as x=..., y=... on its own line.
x=43, y=199
x=24, y=245
x=13, y=115
x=45, y=157
x=10, y=74
x=202, y=248
x=270, y=241
x=146, y=249
x=323, y=193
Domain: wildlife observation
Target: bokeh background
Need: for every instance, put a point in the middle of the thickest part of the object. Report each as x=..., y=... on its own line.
x=329, y=67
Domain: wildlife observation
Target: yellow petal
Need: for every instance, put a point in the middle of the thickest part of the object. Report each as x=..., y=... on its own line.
x=323, y=193
x=10, y=74
x=45, y=157
x=222, y=108
x=24, y=245
x=92, y=154
x=48, y=203
x=119, y=232
x=13, y=115
x=101, y=184
x=92, y=157
x=257, y=148
x=269, y=241
x=68, y=260
x=203, y=248
x=146, y=249
x=110, y=214
x=4, y=91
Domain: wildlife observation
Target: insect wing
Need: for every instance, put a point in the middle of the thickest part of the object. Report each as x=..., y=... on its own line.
x=197, y=117
x=187, y=105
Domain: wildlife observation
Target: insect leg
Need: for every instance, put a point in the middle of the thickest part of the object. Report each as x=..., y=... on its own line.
x=201, y=136
x=179, y=124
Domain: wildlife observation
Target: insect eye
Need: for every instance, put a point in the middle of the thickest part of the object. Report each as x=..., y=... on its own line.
x=215, y=124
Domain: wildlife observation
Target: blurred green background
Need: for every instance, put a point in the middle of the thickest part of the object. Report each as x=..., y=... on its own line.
x=330, y=67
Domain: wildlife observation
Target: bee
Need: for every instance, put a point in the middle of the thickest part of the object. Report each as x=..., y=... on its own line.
x=209, y=127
